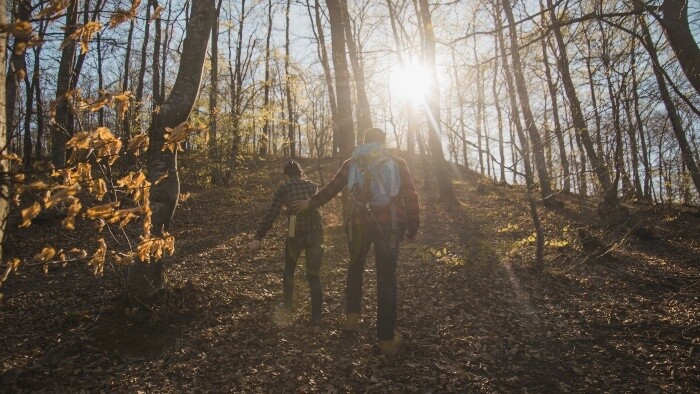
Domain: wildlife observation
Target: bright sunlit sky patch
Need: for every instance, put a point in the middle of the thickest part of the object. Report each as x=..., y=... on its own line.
x=411, y=82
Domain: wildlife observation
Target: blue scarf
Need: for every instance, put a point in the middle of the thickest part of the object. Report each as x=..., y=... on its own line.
x=370, y=151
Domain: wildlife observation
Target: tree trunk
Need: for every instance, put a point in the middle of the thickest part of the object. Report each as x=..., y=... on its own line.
x=236, y=88
x=610, y=199
x=479, y=111
x=484, y=123
x=558, y=133
x=266, y=136
x=676, y=123
x=346, y=132
x=323, y=56
x=143, y=279
x=213, y=99
x=677, y=28
x=512, y=95
x=460, y=108
x=523, y=95
x=29, y=106
x=126, y=122
x=410, y=107
x=364, y=114
x=18, y=64
x=614, y=99
x=594, y=103
x=583, y=171
x=524, y=149
x=100, y=79
x=128, y=157
x=442, y=170
x=138, y=98
x=39, y=153
x=59, y=132
x=78, y=66
x=4, y=165
x=499, y=112
x=634, y=150
x=164, y=52
x=155, y=65
x=291, y=140
x=639, y=124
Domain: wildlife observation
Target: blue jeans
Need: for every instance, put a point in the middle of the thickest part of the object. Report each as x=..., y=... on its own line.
x=312, y=244
x=386, y=251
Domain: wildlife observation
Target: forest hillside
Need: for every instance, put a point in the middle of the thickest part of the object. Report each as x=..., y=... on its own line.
x=613, y=309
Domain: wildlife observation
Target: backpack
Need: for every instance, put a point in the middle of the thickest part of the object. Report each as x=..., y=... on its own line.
x=374, y=177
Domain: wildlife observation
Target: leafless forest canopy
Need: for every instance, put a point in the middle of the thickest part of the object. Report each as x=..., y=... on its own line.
x=271, y=69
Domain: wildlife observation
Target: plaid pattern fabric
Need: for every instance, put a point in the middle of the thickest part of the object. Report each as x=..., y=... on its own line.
x=406, y=201
x=307, y=222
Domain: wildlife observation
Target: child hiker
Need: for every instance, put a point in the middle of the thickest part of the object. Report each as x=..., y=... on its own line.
x=305, y=233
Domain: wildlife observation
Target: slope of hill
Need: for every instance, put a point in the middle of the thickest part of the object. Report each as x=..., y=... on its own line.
x=620, y=315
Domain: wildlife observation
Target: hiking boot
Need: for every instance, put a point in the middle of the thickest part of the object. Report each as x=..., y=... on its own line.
x=389, y=347
x=352, y=322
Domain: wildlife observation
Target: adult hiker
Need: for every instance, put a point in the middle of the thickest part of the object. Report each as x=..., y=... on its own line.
x=384, y=207
x=305, y=233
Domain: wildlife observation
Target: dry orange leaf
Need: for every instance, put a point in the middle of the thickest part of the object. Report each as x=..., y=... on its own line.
x=158, y=11
x=20, y=29
x=73, y=210
x=46, y=254
x=63, y=195
x=122, y=16
x=30, y=213
x=101, y=211
x=54, y=8
x=97, y=262
x=137, y=142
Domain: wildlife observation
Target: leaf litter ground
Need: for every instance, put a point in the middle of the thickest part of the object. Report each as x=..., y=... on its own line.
x=475, y=315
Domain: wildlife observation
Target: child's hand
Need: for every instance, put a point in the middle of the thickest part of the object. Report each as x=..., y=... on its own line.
x=300, y=205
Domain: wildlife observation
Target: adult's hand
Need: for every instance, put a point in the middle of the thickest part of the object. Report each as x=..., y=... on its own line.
x=300, y=205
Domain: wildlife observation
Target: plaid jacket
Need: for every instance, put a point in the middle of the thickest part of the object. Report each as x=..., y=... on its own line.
x=307, y=222
x=406, y=201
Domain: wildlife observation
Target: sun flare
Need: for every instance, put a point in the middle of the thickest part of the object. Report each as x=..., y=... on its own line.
x=411, y=83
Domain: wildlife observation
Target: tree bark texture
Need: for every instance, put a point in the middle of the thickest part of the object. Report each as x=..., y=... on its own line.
x=59, y=129
x=364, y=114
x=558, y=133
x=291, y=140
x=213, y=98
x=442, y=170
x=524, y=147
x=36, y=74
x=344, y=123
x=143, y=279
x=524, y=97
x=677, y=28
x=18, y=64
x=328, y=76
x=267, y=131
x=674, y=117
x=579, y=122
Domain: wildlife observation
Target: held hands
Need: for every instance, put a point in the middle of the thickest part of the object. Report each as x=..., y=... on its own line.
x=300, y=205
x=254, y=244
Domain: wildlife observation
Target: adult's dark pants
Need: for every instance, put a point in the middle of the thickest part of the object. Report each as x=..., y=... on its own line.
x=312, y=246
x=386, y=251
